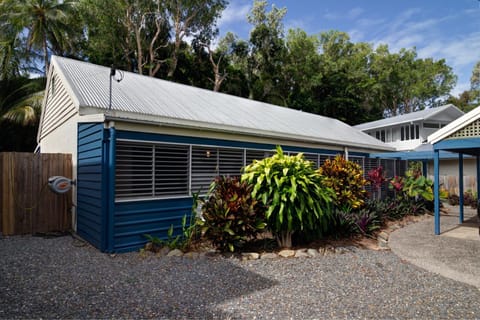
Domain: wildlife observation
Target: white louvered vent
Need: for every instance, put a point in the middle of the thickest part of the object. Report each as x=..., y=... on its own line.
x=146, y=170
x=204, y=168
x=171, y=170
x=134, y=171
x=230, y=162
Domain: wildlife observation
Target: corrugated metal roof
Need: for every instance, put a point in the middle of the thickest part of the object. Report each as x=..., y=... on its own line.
x=408, y=117
x=144, y=98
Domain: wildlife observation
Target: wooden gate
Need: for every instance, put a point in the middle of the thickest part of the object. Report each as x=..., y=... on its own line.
x=27, y=205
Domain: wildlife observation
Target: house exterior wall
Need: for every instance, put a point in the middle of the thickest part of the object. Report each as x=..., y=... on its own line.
x=392, y=134
x=92, y=199
x=59, y=107
x=132, y=219
x=114, y=224
x=449, y=174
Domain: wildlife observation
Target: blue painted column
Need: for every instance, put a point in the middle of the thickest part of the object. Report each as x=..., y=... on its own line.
x=478, y=179
x=111, y=187
x=460, y=185
x=436, y=189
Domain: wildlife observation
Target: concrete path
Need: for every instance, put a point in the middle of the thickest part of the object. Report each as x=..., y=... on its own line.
x=454, y=254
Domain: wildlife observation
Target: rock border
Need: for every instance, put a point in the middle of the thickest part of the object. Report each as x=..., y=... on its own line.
x=246, y=256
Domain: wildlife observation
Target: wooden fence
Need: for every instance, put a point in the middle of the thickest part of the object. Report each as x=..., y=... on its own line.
x=27, y=205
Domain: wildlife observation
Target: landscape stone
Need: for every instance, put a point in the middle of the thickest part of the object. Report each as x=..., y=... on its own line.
x=301, y=253
x=383, y=235
x=191, y=255
x=268, y=255
x=163, y=251
x=312, y=253
x=286, y=253
x=175, y=253
x=382, y=244
x=250, y=256
x=341, y=250
x=329, y=250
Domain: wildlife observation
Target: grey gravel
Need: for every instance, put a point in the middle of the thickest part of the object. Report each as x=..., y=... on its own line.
x=62, y=278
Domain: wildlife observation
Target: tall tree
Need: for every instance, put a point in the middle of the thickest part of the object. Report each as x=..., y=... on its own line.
x=405, y=83
x=20, y=106
x=218, y=57
x=267, y=52
x=343, y=83
x=301, y=67
x=475, y=83
x=191, y=18
x=46, y=23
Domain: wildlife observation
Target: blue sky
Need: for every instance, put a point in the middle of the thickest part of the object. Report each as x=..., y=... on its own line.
x=448, y=29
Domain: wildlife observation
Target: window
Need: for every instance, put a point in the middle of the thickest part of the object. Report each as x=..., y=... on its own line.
x=410, y=132
x=256, y=155
x=230, y=162
x=151, y=170
x=171, y=170
x=431, y=125
x=204, y=168
x=209, y=162
x=382, y=135
x=160, y=170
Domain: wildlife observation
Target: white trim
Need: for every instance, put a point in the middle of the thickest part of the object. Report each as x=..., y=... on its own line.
x=454, y=126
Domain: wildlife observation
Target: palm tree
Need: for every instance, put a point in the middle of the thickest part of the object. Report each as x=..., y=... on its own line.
x=26, y=111
x=45, y=23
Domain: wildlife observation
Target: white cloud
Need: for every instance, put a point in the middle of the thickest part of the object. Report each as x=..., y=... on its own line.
x=235, y=12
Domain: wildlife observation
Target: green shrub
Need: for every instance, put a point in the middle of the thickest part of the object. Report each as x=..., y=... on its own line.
x=346, y=179
x=230, y=215
x=293, y=191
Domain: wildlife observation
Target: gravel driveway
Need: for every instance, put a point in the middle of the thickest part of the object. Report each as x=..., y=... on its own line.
x=56, y=278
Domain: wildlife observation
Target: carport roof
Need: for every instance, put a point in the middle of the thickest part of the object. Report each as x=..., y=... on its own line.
x=145, y=99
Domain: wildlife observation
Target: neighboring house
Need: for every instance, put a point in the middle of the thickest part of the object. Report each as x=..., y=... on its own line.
x=409, y=131
x=408, y=134
x=141, y=147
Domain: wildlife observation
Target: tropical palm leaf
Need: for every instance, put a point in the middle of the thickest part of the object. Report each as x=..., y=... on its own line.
x=26, y=111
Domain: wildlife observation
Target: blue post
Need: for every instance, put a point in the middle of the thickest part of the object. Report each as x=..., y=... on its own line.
x=478, y=177
x=111, y=188
x=460, y=185
x=436, y=189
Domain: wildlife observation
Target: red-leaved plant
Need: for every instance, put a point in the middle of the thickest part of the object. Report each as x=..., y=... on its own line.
x=376, y=177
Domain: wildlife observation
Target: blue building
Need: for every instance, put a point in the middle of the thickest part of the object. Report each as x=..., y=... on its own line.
x=142, y=146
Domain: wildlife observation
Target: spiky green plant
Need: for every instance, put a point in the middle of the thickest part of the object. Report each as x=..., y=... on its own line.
x=293, y=192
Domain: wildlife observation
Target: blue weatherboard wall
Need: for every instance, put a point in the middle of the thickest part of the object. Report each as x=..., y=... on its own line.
x=154, y=217
x=121, y=226
x=91, y=208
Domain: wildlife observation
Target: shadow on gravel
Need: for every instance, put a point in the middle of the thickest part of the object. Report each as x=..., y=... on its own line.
x=53, y=278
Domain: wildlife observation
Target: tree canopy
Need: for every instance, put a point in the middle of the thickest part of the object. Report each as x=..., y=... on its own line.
x=326, y=73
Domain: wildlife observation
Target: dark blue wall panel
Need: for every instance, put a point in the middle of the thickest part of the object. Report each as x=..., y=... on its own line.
x=90, y=200
x=154, y=217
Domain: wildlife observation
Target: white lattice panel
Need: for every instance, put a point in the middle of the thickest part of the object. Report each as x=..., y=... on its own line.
x=472, y=130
